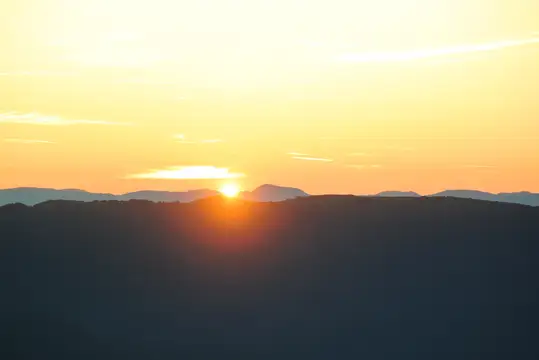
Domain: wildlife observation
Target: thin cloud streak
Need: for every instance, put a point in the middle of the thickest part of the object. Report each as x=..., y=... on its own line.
x=385, y=57
x=308, y=158
x=50, y=120
x=28, y=141
x=188, y=173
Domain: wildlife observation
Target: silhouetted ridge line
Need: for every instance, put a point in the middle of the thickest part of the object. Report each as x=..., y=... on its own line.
x=264, y=193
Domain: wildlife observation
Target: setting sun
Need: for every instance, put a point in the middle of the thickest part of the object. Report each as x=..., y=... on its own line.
x=230, y=190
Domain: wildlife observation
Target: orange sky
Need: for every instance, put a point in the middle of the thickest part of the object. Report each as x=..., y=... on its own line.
x=341, y=96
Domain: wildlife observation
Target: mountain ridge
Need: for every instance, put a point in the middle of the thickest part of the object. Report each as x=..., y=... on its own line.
x=34, y=195
x=264, y=193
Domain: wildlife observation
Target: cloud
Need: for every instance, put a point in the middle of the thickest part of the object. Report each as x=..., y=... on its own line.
x=28, y=141
x=188, y=173
x=385, y=57
x=49, y=120
x=308, y=158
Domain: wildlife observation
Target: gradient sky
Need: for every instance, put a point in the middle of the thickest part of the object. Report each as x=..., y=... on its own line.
x=340, y=96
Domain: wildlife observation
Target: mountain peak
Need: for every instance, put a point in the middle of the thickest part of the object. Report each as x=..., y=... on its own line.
x=398, y=194
x=268, y=192
x=274, y=187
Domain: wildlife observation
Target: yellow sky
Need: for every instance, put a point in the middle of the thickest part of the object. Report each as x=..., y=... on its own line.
x=341, y=96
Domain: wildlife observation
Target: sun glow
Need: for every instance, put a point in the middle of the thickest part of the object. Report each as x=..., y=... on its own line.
x=230, y=190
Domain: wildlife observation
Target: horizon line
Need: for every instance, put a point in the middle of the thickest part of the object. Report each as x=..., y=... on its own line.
x=281, y=186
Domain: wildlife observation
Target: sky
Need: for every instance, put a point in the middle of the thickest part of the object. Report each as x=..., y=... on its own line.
x=340, y=96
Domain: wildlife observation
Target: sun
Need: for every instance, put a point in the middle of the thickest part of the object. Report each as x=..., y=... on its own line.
x=230, y=190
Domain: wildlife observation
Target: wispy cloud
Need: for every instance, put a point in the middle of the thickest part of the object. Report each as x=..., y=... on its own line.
x=50, y=120
x=308, y=158
x=188, y=173
x=28, y=141
x=384, y=57
x=182, y=139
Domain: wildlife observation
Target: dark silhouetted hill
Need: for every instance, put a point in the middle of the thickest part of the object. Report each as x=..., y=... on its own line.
x=321, y=277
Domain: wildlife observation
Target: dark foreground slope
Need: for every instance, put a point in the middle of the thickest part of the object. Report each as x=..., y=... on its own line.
x=313, y=278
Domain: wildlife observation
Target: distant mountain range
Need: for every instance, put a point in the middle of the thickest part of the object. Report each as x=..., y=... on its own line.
x=264, y=193
x=524, y=198
x=33, y=196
